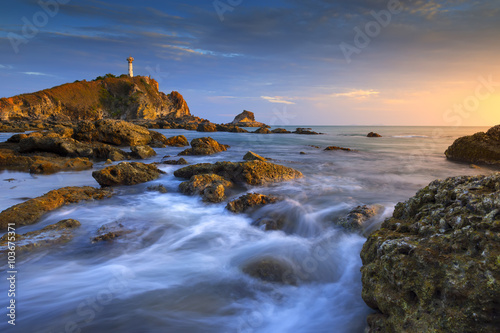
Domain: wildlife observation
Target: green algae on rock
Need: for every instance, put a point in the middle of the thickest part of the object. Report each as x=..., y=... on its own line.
x=435, y=265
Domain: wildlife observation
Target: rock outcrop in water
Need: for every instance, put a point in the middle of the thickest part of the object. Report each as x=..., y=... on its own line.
x=251, y=156
x=204, y=146
x=246, y=119
x=29, y=212
x=358, y=217
x=434, y=266
x=126, y=173
x=60, y=232
x=211, y=187
x=252, y=172
x=373, y=135
x=480, y=148
x=249, y=201
x=120, y=98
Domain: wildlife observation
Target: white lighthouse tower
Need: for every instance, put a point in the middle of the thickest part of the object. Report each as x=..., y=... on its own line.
x=130, y=67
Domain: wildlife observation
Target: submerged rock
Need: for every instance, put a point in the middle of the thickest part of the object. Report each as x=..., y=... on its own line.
x=271, y=270
x=32, y=210
x=358, y=217
x=211, y=187
x=248, y=201
x=434, y=266
x=337, y=148
x=126, y=173
x=157, y=188
x=373, y=135
x=204, y=146
x=480, y=148
x=280, y=131
x=251, y=156
x=110, y=231
x=60, y=232
x=252, y=172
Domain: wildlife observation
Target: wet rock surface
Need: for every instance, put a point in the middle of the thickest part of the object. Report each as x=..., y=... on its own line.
x=373, y=135
x=211, y=187
x=142, y=152
x=204, y=146
x=249, y=201
x=30, y=211
x=177, y=141
x=337, y=148
x=251, y=156
x=357, y=218
x=252, y=172
x=480, y=148
x=126, y=173
x=180, y=161
x=271, y=270
x=434, y=266
x=58, y=233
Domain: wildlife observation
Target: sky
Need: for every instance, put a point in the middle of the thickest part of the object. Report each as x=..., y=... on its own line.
x=291, y=62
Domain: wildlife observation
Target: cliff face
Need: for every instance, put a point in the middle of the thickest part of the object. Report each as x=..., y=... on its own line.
x=119, y=98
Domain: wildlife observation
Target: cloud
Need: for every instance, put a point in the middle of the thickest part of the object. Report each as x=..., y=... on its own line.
x=276, y=99
x=36, y=73
x=6, y=66
x=357, y=94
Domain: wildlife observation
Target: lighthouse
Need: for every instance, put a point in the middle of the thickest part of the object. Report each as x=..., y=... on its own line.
x=130, y=67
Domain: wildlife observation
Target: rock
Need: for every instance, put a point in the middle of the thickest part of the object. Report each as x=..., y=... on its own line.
x=142, y=152
x=246, y=119
x=280, y=131
x=126, y=173
x=269, y=223
x=53, y=143
x=251, y=156
x=177, y=141
x=17, y=137
x=211, y=187
x=373, y=135
x=108, y=162
x=157, y=188
x=306, y=131
x=252, y=172
x=30, y=211
x=60, y=232
x=271, y=270
x=480, y=148
x=41, y=164
x=103, y=151
x=206, y=127
x=121, y=133
x=230, y=128
x=358, y=217
x=204, y=146
x=317, y=147
x=158, y=140
x=302, y=153
x=338, y=148
x=434, y=266
x=180, y=161
x=263, y=130
x=110, y=231
x=249, y=200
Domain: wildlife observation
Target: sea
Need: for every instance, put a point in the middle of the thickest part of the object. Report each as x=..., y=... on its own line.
x=181, y=267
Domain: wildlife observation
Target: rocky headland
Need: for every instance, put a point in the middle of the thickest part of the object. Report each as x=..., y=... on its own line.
x=480, y=148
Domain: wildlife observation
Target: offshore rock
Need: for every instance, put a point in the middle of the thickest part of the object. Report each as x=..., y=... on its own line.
x=246, y=119
x=434, y=266
x=480, y=148
x=126, y=173
x=251, y=156
x=177, y=141
x=373, y=135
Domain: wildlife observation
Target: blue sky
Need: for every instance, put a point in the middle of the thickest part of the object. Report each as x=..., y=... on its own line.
x=280, y=59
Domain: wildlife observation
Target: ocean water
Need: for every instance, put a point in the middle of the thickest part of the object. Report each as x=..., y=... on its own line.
x=180, y=267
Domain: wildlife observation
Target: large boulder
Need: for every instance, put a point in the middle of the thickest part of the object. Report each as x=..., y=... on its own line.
x=230, y=128
x=126, y=173
x=251, y=156
x=207, y=127
x=306, y=131
x=249, y=201
x=480, y=148
x=177, y=141
x=54, y=143
x=211, y=187
x=204, y=146
x=32, y=210
x=142, y=152
x=252, y=172
x=434, y=266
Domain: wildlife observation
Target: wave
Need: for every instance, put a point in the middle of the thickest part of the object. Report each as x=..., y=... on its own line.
x=410, y=136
